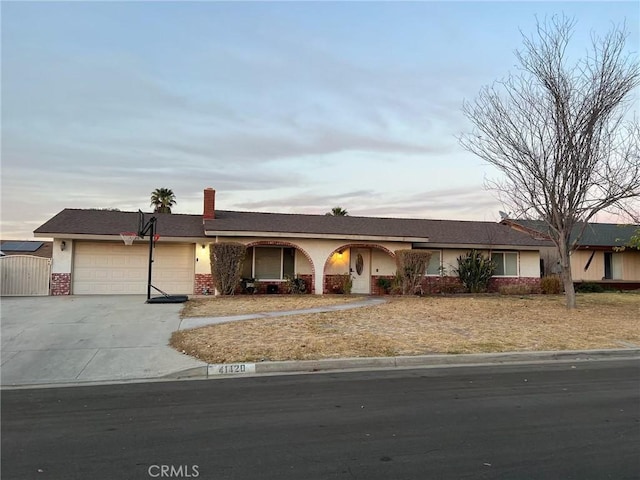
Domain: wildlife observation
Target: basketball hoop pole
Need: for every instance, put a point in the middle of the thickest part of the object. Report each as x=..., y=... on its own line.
x=149, y=229
x=152, y=233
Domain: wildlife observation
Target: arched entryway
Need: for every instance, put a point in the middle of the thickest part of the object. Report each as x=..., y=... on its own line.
x=357, y=265
x=271, y=261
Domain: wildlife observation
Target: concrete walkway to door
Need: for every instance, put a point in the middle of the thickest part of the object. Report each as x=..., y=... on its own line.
x=75, y=339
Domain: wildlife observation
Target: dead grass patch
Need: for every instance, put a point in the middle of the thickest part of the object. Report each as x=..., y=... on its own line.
x=418, y=326
x=245, y=304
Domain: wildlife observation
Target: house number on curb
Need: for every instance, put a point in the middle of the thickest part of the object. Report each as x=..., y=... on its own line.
x=231, y=368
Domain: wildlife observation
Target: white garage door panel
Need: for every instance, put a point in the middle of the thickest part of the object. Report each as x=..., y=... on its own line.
x=114, y=268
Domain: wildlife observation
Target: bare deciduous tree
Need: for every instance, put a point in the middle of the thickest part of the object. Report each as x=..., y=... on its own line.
x=561, y=133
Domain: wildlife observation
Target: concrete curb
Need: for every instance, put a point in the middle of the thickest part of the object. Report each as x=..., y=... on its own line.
x=421, y=361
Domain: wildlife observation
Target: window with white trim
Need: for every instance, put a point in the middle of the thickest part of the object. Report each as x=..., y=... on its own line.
x=506, y=263
x=269, y=263
x=434, y=262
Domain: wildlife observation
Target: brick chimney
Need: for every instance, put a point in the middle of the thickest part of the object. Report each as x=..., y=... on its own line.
x=209, y=204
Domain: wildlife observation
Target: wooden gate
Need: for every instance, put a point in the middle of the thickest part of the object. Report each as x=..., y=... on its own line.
x=24, y=275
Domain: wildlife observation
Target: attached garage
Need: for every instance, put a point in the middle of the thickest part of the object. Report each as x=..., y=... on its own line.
x=103, y=268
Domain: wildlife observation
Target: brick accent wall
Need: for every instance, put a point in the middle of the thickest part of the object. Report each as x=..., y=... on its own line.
x=450, y=284
x=496, y=283
x=262, y=287
x=60, y=284
x=375, y=289
x=309, y=280
x=204, y=284
x=446, y=284
x=332, y=284
x=453, y=285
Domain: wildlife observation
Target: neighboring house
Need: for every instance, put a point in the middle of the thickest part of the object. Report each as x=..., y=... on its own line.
x=316, y=248
x=25, y=267
x=601, y=256
x=26, y=247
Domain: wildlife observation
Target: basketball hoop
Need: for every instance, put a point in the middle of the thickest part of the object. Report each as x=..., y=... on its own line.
x=128, y=237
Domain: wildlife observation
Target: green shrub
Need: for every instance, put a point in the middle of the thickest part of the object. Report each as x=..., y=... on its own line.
x=515, y=290
x=551, y=285
x=226, y=265
x=396, y=284
x=384, y=284
x=295, y=285
x=588, y=287
x=344, y=284
x=412, y=265
x=475, y=270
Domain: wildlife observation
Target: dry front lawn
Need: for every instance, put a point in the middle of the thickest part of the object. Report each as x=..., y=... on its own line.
x=245, y=304
x=419, y=326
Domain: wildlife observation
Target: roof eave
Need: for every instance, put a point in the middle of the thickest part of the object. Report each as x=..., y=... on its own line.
x=318, y=236
x=89, y=236
x=481, y=246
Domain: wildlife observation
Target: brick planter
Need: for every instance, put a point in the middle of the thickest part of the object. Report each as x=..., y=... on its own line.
x=496, y=283
x=332, y=284
x=267, y=288
x=375, y=288
x=60, y=284
x=204, y=284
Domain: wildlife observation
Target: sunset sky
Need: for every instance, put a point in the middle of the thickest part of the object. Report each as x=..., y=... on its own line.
x=280, y=106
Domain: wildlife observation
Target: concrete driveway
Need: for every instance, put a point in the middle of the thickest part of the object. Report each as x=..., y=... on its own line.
x=74, y=339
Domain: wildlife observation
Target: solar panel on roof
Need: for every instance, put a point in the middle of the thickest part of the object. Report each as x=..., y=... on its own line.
x=21, y=246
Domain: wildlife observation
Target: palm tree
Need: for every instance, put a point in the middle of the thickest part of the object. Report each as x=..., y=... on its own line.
x=338, y=212
x=162, y=199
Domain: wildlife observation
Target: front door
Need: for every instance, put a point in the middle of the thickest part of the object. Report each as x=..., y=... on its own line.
x=360, y=270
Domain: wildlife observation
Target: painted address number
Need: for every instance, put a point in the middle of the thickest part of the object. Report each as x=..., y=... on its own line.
x=232, y=368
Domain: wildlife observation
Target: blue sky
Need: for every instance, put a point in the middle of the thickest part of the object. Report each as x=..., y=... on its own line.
x=279, y=106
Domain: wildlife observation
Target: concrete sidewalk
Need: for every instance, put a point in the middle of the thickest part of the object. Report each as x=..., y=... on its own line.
x=49, y=340
x=195, y=322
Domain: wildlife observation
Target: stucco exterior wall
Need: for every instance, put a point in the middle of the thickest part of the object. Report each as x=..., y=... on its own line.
x=528, y=261
x=450, y=259
x=529, y=264
x=631, y=265
x=320, y=254
x=579, y=259
x=382, y=264
x=203, y=259
x=338, y=264
x=62, y=260
x=303, y=266
x=628, y=260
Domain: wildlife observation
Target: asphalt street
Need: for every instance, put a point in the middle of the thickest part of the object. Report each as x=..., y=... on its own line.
x=553, y=421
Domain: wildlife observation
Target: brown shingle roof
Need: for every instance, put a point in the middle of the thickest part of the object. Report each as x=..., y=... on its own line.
x=112, y=222
x=437, y=231
x=107, y=222
x=591, y=234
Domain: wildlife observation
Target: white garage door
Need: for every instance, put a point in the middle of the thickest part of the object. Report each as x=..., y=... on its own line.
x=114, y=268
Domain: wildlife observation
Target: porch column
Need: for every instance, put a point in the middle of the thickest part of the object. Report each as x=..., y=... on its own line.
x=319, y=278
